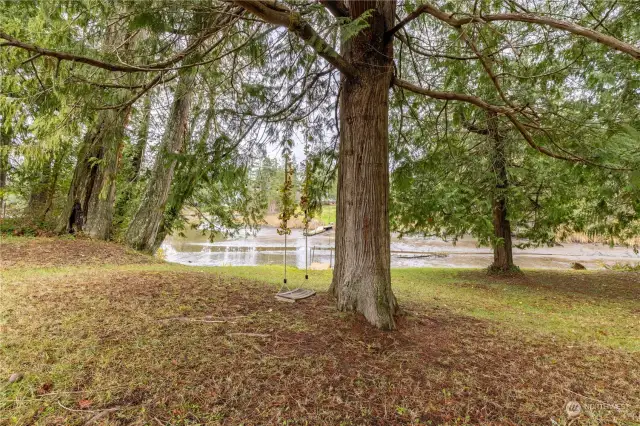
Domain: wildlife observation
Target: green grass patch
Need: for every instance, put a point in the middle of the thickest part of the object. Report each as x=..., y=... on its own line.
x=540, y=302
x=603, y=310
x=328, y=214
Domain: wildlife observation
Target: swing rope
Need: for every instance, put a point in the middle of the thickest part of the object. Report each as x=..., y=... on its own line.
x=285, y=260
x=298, y=293
x=284, y=282
x=306, y=246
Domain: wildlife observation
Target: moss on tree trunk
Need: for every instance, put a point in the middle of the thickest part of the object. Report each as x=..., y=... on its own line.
x=143, y=230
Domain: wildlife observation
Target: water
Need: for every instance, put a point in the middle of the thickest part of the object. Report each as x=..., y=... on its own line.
x=267, y=248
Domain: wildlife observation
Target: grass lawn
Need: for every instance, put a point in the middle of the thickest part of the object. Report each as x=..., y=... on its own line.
x=104, y=335
x=328, y=214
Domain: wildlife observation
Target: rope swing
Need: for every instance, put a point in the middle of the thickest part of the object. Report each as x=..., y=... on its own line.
x=288, y=210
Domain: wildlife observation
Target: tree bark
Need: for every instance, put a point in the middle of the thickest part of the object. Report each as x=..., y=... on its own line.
x=90, y=203
x=5, y=143
x=185, y=180
x=361, y=278
x=142, y=138
x=132, y=172
x=502, y=245
x=143, y=229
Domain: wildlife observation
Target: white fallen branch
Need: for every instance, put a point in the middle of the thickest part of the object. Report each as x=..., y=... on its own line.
x=198, y=320
x=207, y=319
x=102, y=411
x=249, y=334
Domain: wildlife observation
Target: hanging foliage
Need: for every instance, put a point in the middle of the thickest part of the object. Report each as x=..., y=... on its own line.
x=286, y=192
x=310, y=202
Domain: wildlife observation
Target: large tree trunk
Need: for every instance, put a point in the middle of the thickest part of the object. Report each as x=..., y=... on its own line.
x=502, y=246
x=5, y=143
x=143, y=229
x=90, y=203
x=186, y=179
x=361, y=278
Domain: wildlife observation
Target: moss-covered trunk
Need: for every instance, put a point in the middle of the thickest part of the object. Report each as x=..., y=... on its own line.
x=142, y=138
x=131, y=171
x=185, y=180
x=90, y=202
x=43, y=192
x=142, y=232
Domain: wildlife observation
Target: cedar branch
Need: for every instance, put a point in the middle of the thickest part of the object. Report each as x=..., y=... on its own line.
x=532, y=18
x=281, y=16
x=474, y=100
x=109, y=66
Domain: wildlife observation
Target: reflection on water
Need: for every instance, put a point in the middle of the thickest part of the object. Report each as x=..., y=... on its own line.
x=265, y=248
x=268, y=248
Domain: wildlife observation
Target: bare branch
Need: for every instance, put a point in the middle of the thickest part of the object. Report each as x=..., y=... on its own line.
x=599, y=21
x=527, y=137
x=475, y=129
x=486, y=65
x=593, y=35
x=145, y=88
x=115, y=85
x=570, y=27
x=64, y=56
x=36, y=56
x=421, y=52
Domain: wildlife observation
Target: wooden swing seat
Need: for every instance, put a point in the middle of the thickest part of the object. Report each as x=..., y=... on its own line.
x=293, y=295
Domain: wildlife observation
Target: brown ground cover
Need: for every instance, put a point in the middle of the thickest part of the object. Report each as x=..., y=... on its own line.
x=52, y=252
x=160, y=344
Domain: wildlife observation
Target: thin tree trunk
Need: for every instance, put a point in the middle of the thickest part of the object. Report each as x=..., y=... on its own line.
x=180, y=194
x=361, y=278
x=142, y=138
x=185, y=181
x=5, y=142
x=41, y=199
x=502, y=245
x=143, y=229
x=123, y=202
x=53, y=181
